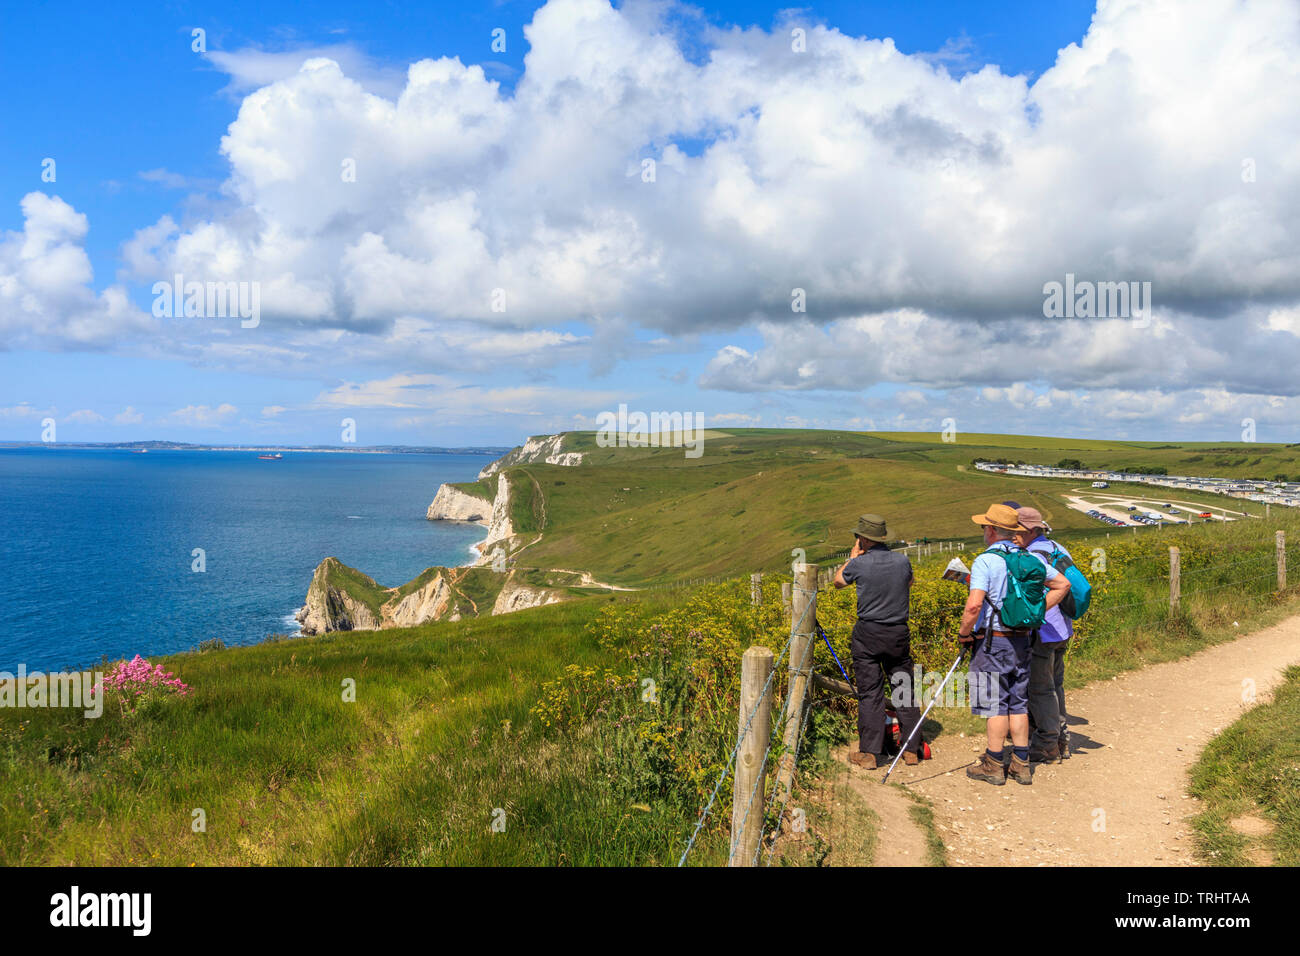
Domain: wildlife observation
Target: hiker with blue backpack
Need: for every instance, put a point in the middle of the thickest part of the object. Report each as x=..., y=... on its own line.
x=1050, y=738
x=1011, y=591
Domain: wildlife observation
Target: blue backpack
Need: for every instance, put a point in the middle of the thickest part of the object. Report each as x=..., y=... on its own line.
x=1079, y=596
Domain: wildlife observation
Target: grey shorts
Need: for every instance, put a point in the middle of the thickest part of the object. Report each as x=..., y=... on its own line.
x=1000, y=676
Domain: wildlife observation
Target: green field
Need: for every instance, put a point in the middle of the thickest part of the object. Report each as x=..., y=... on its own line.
x=1216, y=459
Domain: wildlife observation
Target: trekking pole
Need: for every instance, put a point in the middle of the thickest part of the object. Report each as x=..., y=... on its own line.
x=902, y=750
x=817, y=624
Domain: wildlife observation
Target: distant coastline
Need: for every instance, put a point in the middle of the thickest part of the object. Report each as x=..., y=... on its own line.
x=486, y=450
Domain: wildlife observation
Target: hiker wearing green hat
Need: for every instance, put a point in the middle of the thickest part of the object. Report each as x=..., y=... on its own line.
x=881, y=643
x=1010, y=591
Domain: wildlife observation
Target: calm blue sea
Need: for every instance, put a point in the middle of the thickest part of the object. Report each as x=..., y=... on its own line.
x=96, y=545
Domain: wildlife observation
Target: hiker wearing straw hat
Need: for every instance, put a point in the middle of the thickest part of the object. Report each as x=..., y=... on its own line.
x=1010, y=590
x=881, y=642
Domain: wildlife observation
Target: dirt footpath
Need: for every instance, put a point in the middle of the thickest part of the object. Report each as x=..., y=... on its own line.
x=1121, y=797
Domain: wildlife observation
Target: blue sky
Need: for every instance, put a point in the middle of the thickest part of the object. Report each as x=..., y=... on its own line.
x=135, y=120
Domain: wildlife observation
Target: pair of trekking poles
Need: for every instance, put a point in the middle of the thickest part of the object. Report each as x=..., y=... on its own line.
x=915, y=730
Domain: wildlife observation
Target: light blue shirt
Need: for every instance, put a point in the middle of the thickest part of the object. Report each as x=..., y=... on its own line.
x=1056, y=626
x=988, y=573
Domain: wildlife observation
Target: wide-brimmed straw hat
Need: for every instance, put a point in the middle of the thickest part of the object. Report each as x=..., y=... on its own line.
x=1000, y=516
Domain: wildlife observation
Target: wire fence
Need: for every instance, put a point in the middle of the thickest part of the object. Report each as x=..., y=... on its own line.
x=762, y=700
x=759, y=781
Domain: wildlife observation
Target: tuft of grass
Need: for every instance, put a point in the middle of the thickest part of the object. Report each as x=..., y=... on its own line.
x=484, y=489
x=1250, y=773
x=922, y=814
x=843, y=829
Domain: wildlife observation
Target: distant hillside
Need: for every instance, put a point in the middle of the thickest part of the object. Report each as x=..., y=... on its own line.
x=642, y=515
x=565, y=510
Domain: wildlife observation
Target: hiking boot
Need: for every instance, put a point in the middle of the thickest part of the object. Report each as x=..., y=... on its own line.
x=1050, y=755
x=1065, y=745
x=1019, y=771
x=987, y=769
x=865, y=761
x=911, y=758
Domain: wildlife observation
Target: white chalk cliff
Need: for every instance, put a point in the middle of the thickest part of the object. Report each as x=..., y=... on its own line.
x=331, y=606
x=452, y=504
x=499, y=527
x=428, y=603
x=542, y=449
x=516, y=597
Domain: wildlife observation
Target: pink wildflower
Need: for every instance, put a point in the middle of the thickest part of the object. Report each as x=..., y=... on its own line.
x=137, y=676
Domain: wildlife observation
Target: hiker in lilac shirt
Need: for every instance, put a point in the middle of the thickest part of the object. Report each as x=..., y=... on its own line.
x=1050, y=742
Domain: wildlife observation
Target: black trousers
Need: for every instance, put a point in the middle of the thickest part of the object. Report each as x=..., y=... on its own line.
x=879, y=650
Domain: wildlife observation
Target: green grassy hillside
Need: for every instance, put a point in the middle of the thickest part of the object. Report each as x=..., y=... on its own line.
x=643, y=516
x=637, y=516
x=286, y=771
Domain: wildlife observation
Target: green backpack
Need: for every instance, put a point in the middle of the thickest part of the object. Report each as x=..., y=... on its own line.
x=1025, y=602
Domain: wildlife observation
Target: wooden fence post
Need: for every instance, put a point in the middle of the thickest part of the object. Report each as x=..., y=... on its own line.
x=1281, y=560
x=785, y=595
x=756, y=589
x=1175, y=577
x=749, y=798
x=801, y=636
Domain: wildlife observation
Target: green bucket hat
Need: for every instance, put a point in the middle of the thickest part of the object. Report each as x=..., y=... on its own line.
x=872, y=527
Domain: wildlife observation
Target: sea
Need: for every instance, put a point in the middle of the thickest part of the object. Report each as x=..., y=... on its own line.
x=99, y=547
